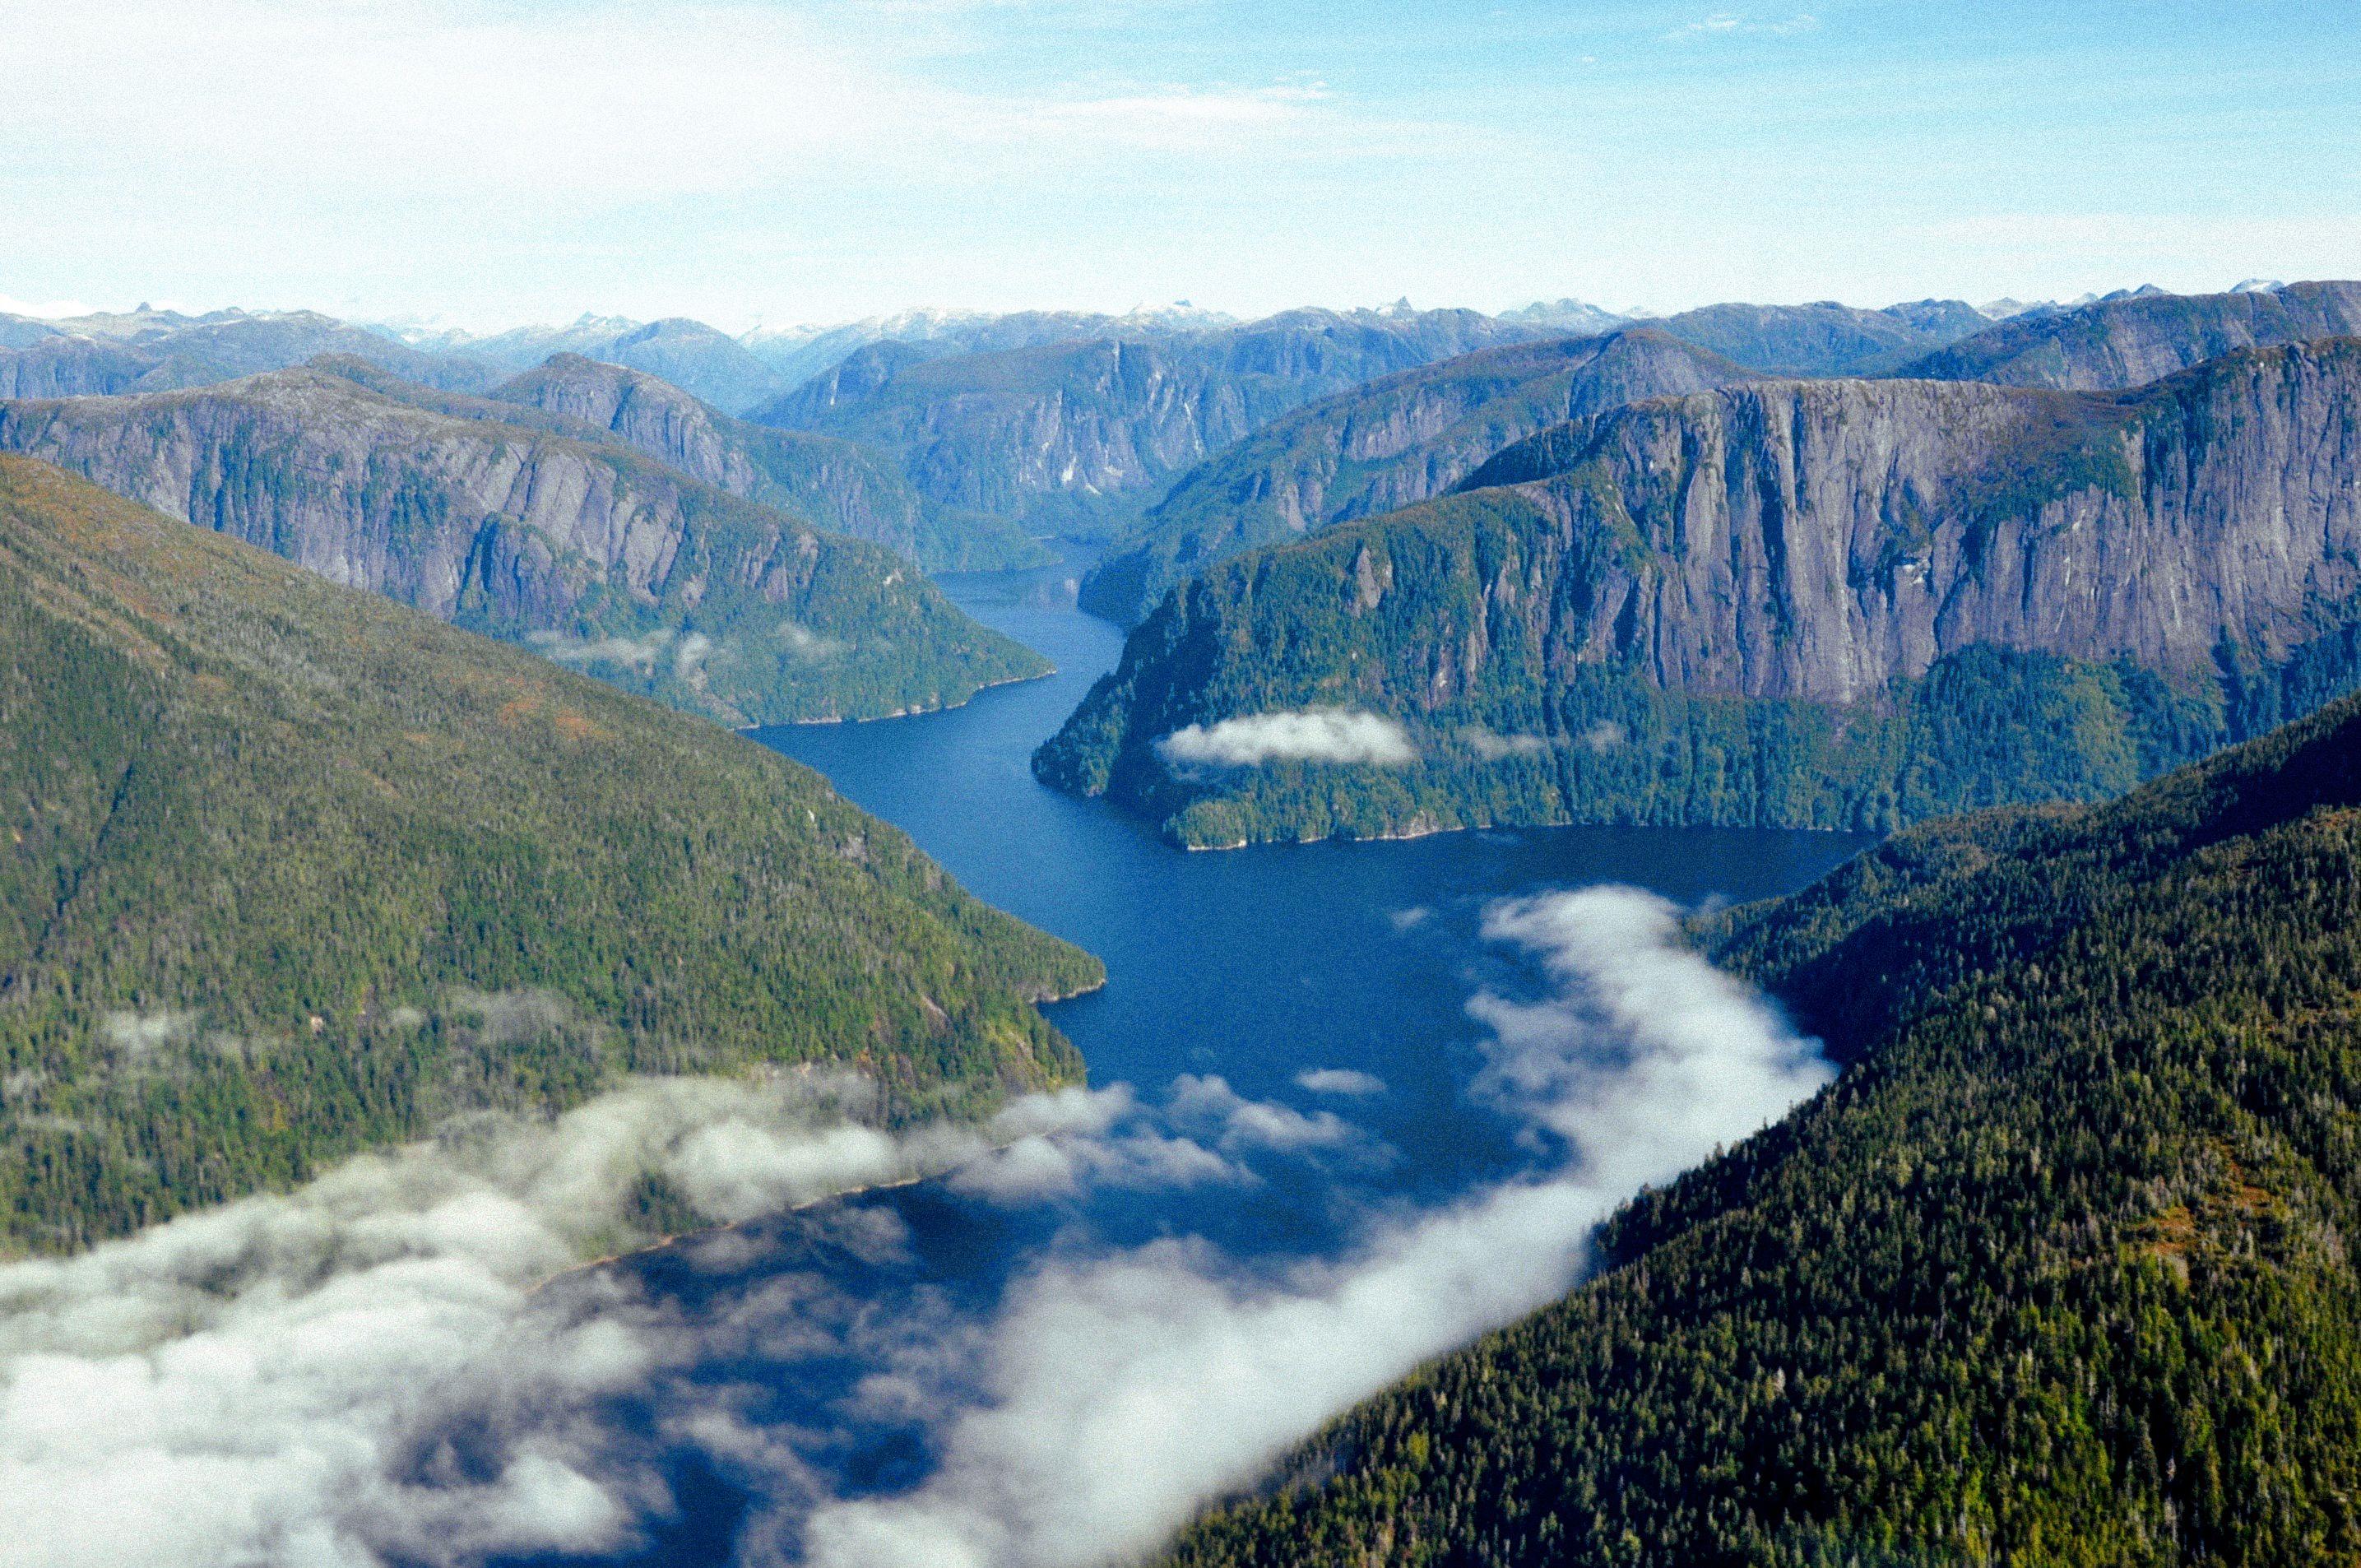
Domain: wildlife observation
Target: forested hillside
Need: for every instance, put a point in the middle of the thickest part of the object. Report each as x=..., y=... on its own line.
x=583, y=548
x=1828, y=604
x=288, y=870
x=2060, y=1271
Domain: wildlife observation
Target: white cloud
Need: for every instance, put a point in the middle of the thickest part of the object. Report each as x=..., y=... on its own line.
x=806, y=643
x=1339, y=1081
x=1123, y=1391
x=272, y=1380
x=1238, y=1123
x=605, y=100
x=244, y=1384
x=1727, y=23
x=135, y=1035
x=1605, y=736
x=1493, y=746
x=641, y=652
x=1314, y=735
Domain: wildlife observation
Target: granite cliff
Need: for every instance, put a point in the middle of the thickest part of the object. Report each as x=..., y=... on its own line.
x=595, y=555
x=1824, y=603
x=1398, y=440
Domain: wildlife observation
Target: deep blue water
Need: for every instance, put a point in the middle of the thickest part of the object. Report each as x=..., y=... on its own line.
x=1253, y=965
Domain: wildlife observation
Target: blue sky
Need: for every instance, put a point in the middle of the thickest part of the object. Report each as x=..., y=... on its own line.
x=748, y=160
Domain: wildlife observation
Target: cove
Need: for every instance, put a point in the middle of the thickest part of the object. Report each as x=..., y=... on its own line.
x=1265, y=968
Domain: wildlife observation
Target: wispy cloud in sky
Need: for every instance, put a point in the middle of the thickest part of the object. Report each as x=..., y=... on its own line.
x=1729, y=24
x=493, y=159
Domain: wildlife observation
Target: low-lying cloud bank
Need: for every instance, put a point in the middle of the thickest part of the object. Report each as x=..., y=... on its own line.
x=367, y=1371
x=1126, y=1391
x=1312, y=735
x=270, y=1381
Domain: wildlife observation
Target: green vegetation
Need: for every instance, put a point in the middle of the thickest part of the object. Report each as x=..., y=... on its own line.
x=2058, y=1272
x=288, y=870
x=1523, y=735
x=1984, y=726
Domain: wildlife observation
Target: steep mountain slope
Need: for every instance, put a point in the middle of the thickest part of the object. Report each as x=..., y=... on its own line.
x=2130, y=339
x=591, y=552
x=841, y=486
x=2058, y=1272
x=1828, y=603
x=1398, y=440
x=288, y=870
x=1072, y=434
x=1825, y=338
x=705, y=361
x=162, y=351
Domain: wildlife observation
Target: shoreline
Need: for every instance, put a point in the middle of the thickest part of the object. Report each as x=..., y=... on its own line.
x=982, y=688
x=659, y=1244
x=675, y=1238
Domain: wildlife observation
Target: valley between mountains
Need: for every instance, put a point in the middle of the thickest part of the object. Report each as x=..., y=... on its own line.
x=1860, y=1067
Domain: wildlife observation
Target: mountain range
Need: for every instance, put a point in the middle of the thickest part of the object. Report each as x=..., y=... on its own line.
x=1398, y=440
x=1406, y=438
x=1072, y=435
x=155, y=351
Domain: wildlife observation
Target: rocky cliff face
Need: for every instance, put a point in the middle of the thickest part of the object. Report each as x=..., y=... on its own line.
x=838, y=483
x=599, y=557
x=158, y=351
x=1815, y=540
x=2139, y=338
x=1398, y=440
x=1082, y=430
x=1820, y=548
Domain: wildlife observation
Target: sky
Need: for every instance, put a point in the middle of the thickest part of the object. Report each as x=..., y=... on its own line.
x=489, y=162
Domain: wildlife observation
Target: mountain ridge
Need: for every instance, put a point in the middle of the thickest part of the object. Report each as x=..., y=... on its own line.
x=1074, y=436
x=590, y=551
x=1400, y=439
x=1796, y=603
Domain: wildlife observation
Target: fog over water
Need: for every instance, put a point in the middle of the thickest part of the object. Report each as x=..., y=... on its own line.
x=1349, y=1106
